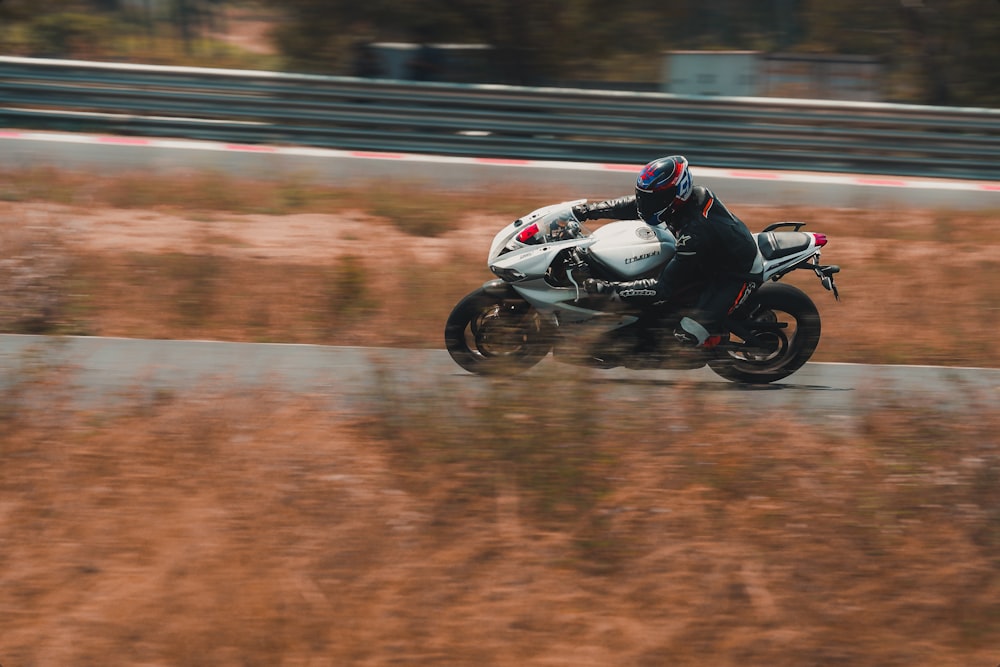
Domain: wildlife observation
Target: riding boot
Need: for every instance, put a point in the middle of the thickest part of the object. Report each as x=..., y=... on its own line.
x=693, y=334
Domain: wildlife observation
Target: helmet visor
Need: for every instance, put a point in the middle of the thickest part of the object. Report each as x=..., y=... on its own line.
x=650, y=207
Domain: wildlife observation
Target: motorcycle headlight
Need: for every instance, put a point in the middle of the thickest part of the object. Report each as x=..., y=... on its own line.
x=507, y=275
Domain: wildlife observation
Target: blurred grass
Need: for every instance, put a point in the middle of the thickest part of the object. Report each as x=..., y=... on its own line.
x=413, y=207
x=495, y=440
x=548, y=520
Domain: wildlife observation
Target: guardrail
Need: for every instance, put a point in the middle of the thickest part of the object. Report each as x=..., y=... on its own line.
x=499, y=121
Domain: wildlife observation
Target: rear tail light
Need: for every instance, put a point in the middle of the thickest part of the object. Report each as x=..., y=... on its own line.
x=820, y=239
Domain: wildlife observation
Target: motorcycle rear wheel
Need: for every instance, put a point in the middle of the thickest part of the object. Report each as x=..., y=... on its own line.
x=490, y=335
x=785, y=349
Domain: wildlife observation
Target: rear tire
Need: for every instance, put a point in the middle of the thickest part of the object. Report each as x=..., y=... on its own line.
x=493, y=335
x=786, y=349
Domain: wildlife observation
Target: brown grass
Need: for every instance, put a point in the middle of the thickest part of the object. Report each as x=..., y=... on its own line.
x=225, y=528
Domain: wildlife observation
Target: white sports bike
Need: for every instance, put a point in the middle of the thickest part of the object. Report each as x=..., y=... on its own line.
x=537, y=303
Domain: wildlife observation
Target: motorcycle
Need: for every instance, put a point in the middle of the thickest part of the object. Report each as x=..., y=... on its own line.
x=537, y=303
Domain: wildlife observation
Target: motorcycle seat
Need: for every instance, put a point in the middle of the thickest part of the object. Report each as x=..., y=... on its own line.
x=780, y=244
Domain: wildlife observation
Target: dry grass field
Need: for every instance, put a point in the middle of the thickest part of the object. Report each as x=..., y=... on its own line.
x=539, y=522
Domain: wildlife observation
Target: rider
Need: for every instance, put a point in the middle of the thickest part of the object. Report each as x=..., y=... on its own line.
x=714, y=249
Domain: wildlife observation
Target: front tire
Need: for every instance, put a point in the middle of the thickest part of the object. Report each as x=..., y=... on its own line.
x=493, y=335
x=785, y=349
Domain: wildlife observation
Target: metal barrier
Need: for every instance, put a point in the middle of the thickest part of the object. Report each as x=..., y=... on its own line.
x=498, y=121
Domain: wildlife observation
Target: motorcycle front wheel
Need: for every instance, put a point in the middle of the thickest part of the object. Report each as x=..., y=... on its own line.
x=492, y=335
x=787, y=326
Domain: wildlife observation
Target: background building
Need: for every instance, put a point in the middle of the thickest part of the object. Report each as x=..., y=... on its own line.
x=756, y=74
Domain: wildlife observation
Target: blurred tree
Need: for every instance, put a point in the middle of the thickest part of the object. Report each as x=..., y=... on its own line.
x=106, y=5
x=67, y=29
x=957, y=44
x=317, y=32
x=81, y=28
x=26, y=9
x=72, y=34
x=20, y=10
x=950, y=48
x=938, y=51
x=538, y=40
x=192, y=18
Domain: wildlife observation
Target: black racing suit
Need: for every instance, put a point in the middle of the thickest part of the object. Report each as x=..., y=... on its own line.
x=714, y=250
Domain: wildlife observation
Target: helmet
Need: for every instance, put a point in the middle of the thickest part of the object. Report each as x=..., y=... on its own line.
x=663, y=185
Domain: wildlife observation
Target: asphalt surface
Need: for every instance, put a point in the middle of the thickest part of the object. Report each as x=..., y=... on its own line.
x=106, y=369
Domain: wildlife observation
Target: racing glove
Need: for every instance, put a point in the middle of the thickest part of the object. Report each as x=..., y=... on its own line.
x=622, y=208
x=597, y=286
